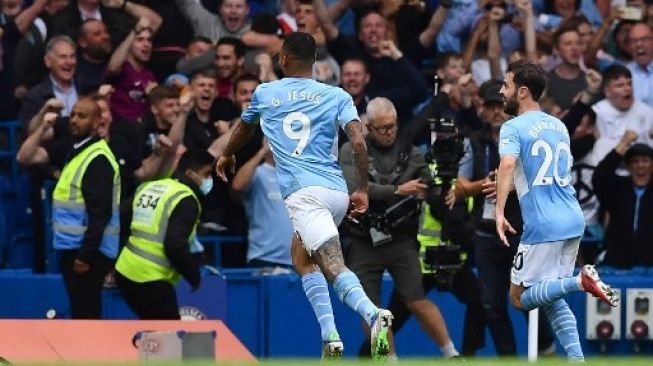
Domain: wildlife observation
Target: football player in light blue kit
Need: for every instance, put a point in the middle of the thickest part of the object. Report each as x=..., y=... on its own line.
x=300, y=118
x=536, y=158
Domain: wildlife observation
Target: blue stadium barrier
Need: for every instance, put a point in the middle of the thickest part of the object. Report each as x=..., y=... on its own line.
x=16, y=222
x=16, y=226
x=32, y=296
x=289, y=328
x=271, y=316
x=12, y=129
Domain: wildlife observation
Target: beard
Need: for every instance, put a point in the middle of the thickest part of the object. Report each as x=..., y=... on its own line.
x=511, y=106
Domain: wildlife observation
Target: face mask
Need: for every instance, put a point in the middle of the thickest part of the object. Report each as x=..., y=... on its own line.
x=206, y=186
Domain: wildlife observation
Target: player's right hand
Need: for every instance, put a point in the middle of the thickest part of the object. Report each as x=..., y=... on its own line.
x=225, y=162
x=358, y=203
x=502, y=226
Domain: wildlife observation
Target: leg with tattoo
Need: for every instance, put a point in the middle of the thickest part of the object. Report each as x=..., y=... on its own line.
x=346, y=284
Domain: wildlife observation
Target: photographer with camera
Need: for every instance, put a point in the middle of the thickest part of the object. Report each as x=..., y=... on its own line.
x=446, y=237
x=386, y=237
x=493, y=260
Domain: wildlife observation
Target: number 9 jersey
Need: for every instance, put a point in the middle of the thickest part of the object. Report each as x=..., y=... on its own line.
x=542, y=177
x=300, y=118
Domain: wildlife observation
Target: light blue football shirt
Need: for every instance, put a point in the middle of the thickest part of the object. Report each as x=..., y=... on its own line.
x=542, y=177
x=270, y=230
x=300, y=118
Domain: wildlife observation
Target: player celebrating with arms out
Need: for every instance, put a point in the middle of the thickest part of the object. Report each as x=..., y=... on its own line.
x=300, y=118
x=535, y=155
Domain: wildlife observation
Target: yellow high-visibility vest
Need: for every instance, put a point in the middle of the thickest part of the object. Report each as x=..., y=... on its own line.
x=69, y=217
x=143, y=259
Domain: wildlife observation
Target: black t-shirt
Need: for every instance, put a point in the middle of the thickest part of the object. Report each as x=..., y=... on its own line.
x=199, y=135
x=89, y=75
x=224, y=109
x=147, y=134
x=175, y=30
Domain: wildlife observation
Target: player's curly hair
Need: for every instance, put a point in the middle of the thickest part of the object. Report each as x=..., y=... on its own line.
x=300, y=47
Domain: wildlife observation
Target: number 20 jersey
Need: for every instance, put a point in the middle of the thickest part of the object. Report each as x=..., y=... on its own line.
x=542, y=177
x=300, y=118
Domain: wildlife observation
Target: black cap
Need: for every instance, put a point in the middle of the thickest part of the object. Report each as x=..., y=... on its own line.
x=638, y=150
x=489, y=92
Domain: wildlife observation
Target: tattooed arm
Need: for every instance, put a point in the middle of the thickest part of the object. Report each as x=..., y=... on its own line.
x=359, y=199
x=227, y=162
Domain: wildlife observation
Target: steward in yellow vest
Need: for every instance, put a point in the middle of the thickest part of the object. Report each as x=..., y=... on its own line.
x=85, y=212
x=165, y=214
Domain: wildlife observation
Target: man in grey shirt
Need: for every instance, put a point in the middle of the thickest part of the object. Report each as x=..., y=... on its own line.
x=232, y=21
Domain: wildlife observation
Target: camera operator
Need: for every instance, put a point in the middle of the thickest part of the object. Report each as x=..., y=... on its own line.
x=493, y=259
x=446, y=238
x=386, y=237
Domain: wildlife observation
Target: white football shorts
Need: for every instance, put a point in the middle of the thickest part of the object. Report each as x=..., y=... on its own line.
x=535, y=263
x=315, y=213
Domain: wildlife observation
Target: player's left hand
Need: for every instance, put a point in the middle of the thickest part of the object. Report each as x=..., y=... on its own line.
x=358, y=203
x=225, y=162
x=502, y=226
x=80, y=267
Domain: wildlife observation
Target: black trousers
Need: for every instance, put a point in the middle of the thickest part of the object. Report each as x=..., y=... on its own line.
x=84, y=290
x=156, y=300
x=465, y=288
x=494, y=261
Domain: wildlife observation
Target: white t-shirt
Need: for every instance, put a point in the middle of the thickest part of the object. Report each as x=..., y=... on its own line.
x=481, y=69
x=612, y=124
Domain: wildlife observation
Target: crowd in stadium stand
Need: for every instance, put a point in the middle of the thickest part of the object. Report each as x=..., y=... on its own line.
x=141, y=57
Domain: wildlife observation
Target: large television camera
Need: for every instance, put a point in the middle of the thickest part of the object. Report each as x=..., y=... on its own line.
x=444, y=154
x=446, y=147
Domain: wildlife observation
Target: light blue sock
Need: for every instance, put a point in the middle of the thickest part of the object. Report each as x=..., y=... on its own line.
x=317, y=291
x=548, y=292
x=563, y=323
x=350, y=291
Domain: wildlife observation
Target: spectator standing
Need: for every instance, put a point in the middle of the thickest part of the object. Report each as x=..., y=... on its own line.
x=354, y=80
x=228, y=63
x=128, y=73
x=628, y=201
x=232, y=20
x=640, y=41
x=270, y=230
x=69, y=20
x=618, y=112
x=60, y=59
x=566, y=80
x=94, y=51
